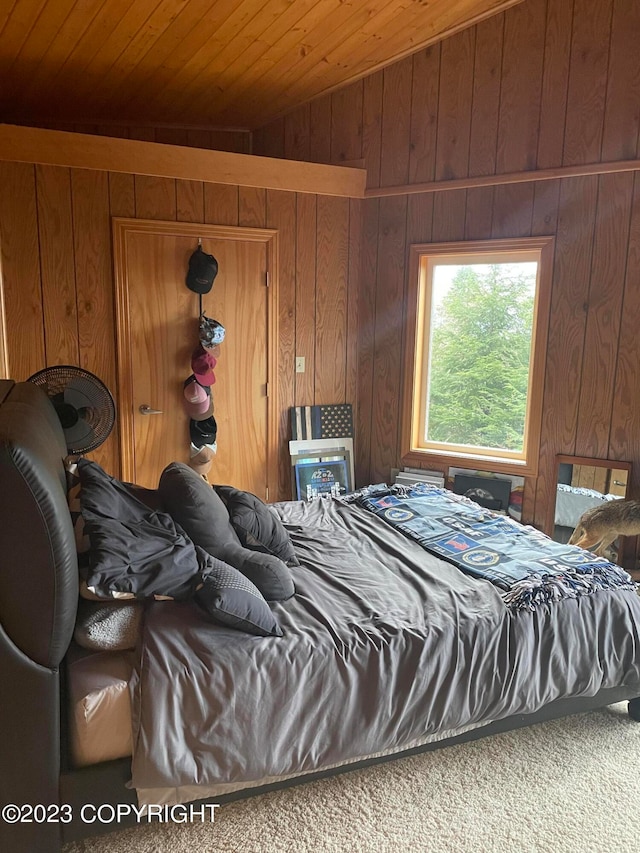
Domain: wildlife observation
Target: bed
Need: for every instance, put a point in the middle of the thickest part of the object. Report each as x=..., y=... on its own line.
x=384, y=649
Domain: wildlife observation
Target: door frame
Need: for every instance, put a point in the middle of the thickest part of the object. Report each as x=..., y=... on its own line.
x=122, y=228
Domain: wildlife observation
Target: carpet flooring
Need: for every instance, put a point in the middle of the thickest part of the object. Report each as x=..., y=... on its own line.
x=567, y=786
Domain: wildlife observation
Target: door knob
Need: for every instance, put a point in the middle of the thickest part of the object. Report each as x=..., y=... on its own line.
x=147, y=410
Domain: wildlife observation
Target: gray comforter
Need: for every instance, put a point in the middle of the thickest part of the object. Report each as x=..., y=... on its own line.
x=383, y=644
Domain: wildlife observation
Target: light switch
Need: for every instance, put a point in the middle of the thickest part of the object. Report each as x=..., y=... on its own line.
x=299, y=364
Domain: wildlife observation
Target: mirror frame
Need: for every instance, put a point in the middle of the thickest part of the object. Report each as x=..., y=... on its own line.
x=562, y=459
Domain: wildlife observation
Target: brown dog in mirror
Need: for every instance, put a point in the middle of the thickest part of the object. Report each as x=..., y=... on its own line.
x=601, y=525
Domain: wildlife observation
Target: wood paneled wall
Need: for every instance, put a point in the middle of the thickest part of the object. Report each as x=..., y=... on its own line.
x=55, y=239
x=237, y=141
x=547, y=83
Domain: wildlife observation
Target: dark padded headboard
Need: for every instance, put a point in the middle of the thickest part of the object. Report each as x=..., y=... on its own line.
x=38, y=562
x=38, y=602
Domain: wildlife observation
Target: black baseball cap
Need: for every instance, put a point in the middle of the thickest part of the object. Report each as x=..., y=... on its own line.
x=203, y=432
x=203, y=268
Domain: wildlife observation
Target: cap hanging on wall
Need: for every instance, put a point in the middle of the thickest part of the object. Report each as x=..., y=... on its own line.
x=203, y=269
x=211, y=332
x=198, y=402
x=202, y=364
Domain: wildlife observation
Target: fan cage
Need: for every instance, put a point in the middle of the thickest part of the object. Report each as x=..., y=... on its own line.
x=100, y=413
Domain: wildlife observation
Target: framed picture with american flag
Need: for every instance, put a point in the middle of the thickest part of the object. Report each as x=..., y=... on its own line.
x=327, y=474
x=322, y=449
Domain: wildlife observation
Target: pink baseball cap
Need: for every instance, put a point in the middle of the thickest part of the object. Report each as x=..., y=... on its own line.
x=202, y=364
x=198, y=403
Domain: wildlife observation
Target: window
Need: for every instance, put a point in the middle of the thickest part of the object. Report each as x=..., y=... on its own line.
x=474, y=365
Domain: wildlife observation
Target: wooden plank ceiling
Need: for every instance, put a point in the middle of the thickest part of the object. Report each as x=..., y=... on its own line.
x=203, y=63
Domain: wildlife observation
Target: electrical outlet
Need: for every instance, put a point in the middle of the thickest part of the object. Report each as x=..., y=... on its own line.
x=299, y=364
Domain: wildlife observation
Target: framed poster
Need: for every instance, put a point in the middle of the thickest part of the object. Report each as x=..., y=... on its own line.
x=315, y=477
x=324, y=448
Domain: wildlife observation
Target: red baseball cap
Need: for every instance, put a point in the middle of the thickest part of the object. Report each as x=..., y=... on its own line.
x=202, y=364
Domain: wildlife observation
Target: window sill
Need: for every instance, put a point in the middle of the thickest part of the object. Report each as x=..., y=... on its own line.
x=473, y=462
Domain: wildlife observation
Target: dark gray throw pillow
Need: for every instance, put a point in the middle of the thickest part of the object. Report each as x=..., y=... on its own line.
x=195, y=506
x=257, y=526
x=230, y=598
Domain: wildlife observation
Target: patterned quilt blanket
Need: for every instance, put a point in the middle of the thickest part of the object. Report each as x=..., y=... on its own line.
x=527, y=566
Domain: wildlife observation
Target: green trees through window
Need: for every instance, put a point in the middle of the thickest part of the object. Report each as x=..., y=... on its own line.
x=478, y=372
x=475, y=352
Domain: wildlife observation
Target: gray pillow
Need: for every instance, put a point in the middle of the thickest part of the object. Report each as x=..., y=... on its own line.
x=195, y=506
x=257, y=526
x=230, y=598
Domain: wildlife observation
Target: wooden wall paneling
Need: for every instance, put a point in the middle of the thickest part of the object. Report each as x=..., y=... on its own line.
x=483, y=134
x=606, y=288
x=155, y=197
x=281, y=214
x=172, y=135
x=144, y=134
x=221, y=204
x=454, y=111
x=388, y=337
x=624, y=441
x=296, y=134
x=485, y=103
x=424, y=114
x=396, y=123
x=25, y=344
x=199, y=138
x=555, y=83
x=94, y=286
x=449, y=211
x=252, y=207
x=332, y=259
x=567, y=323
x=5, y=372
x=366, y=340
x=346, y=124
x=353, y=278
x=320, y=130
x=372, y=126
x=114, y=130
x=587, y=81
x=544, y=223
x=512, y=210
x=266, y=141
x=545, y=208
x=238, y=141
x=57, y=267
x=190, y=201
x=419, y=218
x=305, y=307
x=122, y=194
x=520, y=89
x=622, y=108
x=479, y=213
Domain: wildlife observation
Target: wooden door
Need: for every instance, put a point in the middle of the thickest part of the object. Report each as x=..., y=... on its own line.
x=617, y=484
x=157, y=326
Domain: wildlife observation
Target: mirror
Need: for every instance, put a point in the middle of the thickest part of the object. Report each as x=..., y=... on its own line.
x=582, y=483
